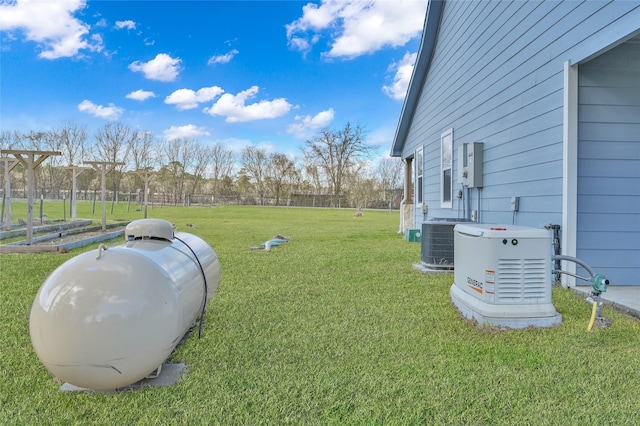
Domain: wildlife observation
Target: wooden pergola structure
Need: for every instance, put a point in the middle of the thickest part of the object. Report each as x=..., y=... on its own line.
x=104, y=167
x=30, y=160
x=145, y=175
x=75, y=171
x=8, y=164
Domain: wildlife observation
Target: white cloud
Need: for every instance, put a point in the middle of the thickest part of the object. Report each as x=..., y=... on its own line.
x=398, y=89
x=223, y=59
x=51, y=25
x=301, y=44
x=317, y=18
x=187, y=131
x=304, y=126
x=162, y=68
x=358, y=27
x=128, y=24
x=233, y=107
x=140, y=95
x=189, y=99
x=110, y=112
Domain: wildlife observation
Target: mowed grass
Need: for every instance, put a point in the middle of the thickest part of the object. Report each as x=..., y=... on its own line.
x=336, y=327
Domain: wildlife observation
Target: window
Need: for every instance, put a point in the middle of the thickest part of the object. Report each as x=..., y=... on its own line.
x=446, y=165
x=419, y=168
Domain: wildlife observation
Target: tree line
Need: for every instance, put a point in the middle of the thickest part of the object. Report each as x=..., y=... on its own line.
x=335, y=166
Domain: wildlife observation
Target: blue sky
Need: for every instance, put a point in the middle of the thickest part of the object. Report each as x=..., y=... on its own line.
x=263, y=73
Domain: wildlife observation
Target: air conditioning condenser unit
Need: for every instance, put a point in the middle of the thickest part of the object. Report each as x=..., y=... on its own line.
x=437, y=243
x=503, y=275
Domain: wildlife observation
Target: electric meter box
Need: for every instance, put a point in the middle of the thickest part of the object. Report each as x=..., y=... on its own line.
x=503, y=275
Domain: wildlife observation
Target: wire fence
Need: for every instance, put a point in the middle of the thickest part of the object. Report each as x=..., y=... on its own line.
x=301, y=199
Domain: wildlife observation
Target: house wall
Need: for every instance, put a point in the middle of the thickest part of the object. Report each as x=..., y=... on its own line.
x=608, y=220
x=497, y=77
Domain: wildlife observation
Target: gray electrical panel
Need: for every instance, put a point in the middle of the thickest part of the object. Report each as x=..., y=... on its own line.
x=470, y=160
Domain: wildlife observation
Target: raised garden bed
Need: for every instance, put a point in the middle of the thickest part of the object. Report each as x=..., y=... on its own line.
x=64, y=238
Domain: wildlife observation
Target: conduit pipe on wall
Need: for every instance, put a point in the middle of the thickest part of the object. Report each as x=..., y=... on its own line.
x=575, y=260
x=401, y=228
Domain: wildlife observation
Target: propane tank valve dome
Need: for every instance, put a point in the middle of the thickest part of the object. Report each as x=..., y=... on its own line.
x=149, y=229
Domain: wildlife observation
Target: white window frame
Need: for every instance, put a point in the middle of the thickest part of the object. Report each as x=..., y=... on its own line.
x=446, y=169
x=419, y=189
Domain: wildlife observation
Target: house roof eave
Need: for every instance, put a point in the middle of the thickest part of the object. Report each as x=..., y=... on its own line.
x=420, y=69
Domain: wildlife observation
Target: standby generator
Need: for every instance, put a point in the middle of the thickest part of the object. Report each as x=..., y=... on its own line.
x=503, y=275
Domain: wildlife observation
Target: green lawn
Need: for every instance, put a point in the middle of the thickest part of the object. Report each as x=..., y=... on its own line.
x=336, y=327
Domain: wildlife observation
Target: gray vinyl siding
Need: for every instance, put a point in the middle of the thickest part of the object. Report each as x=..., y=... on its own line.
x=608, y=235
x=497, y=77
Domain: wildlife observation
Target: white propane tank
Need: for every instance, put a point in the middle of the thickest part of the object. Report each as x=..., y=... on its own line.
x=108, y=318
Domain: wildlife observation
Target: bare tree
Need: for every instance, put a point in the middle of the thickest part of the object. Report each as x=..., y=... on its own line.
x=14, y=140
x=390, y=176
x=280, y=173
x=335, y=152
x=112, y=143
x=141, y=151
x=222, y=163
x=34, y=140
x=334, y=165
x=313, y=175
x=179, y=156
x=11, y=140
x=40, y=141
x=72, y=138
x=171, y=171
x=6, y=141
x=140, y=158
x=201, y=159
x=54, y=174
x=360, y=184
x=254, y=162
x=243, y=182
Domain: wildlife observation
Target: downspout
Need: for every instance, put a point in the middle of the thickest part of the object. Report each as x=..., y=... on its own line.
x=406, y=197
x=556, y=250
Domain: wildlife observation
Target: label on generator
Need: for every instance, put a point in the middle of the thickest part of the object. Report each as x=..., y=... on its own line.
x=489, y=285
